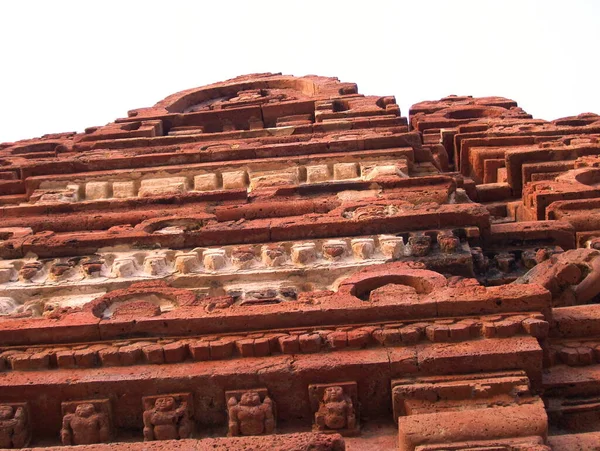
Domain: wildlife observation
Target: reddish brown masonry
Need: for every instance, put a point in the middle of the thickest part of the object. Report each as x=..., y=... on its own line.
x=282, y=263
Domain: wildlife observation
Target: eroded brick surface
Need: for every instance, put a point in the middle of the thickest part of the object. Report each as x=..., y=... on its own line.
x=249, y=261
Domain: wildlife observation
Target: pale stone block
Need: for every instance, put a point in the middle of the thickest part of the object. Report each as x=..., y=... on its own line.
x=7, y=305
x=235, y=180
x=343, y=171
x=206, y=182
x=122, y=190
x=97, y=190
x=163, y=186
x=124, y=267
x=275, y=178
x=304, y=253
x=363, y=248
x=386, y=170
x=392, y=246
x=155, y=265
x=214, y=259
x=317, y=173
x=187, y=263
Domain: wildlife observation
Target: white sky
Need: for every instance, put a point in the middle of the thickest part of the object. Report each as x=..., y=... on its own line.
x=67, y=65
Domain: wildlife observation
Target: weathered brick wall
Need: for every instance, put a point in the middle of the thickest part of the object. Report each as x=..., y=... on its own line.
x=274, y=255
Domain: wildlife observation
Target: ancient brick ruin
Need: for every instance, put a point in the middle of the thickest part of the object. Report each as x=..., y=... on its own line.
x=282, y=263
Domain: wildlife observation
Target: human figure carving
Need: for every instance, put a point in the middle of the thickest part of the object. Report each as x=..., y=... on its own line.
x=166, y=421
x=250, y=416
x=85, y=426
x=13, y=427
x=336, y=410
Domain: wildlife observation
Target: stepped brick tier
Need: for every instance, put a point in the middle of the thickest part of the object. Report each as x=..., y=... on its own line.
x=282, y=263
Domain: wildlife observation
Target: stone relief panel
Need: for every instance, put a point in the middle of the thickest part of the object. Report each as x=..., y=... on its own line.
x=251, y=412
x=86, y=422
x=15, y=427
x=335, y=407
x=168, y=417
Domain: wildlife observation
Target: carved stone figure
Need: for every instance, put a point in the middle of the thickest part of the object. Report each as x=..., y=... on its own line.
x=166, y=420
x=14, y=431
x=336, y=410
x=85, y=426
x=250, y=416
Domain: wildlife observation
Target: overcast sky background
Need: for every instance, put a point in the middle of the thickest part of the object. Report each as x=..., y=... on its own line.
x=67, y=65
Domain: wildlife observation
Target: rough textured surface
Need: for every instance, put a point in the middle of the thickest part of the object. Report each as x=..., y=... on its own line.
x=273, y=255
x=284, y=442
